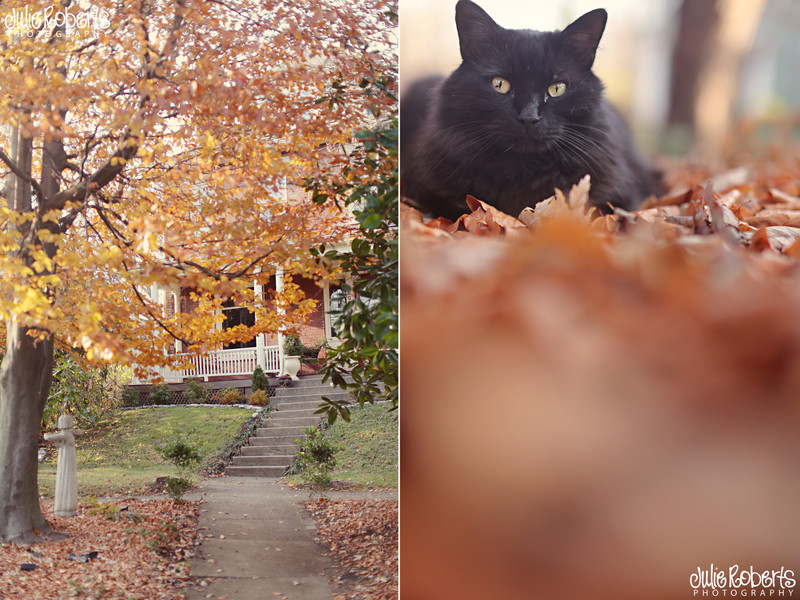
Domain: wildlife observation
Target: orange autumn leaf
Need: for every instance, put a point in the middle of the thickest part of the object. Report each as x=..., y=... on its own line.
x=492, y=215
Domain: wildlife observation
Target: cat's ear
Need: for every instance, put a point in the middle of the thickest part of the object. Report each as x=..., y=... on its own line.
x=476, y=29
x=582, y=37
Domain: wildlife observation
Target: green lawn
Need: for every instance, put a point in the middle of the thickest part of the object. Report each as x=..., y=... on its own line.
x=370, y=441
x=120, y=456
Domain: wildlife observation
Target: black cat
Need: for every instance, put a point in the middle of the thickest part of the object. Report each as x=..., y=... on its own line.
x=521, y=116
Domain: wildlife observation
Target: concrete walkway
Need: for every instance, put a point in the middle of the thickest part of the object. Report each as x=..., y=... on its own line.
x=256, y=542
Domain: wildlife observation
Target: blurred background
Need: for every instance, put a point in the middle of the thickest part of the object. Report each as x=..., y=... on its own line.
x=683, y=71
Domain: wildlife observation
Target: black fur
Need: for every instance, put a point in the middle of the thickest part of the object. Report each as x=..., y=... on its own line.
x=460, y=136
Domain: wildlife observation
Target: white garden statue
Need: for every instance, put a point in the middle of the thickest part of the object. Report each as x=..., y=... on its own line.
x=67, y=470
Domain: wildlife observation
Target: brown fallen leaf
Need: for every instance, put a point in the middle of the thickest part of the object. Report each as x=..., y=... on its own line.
x=782, y=238
x=493, y=215
x=573, y=205
x=790, y=201
x=774, y=217
x=671, y=199
x=759, y=240
x=723, y=220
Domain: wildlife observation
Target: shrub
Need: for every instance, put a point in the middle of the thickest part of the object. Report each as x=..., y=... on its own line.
x=261, y=382
x=180, y=452
x=366, y=362
x=310, y=352
x=183, y=454
x=259, y=398
x=80, y=390
x=292, y=346
x=196, y=392
x=316, y=457
x=161, y=394
x=176, y=487
x=130, y=397
x=230, y=395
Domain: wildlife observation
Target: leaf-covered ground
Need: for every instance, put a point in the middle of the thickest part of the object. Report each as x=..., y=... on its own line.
x=597, y=406
x=136, y=549
x=363, y=540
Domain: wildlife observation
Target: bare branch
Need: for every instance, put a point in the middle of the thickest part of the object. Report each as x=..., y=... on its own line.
x=101, y=211
x=216, y=275
x=85, y=46
x=158, y=321
x=15, y=169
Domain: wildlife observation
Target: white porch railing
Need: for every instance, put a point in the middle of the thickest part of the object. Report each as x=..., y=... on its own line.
x=272, y=359
x=241, y=361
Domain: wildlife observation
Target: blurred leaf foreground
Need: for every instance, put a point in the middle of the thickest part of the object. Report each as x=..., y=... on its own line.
x=601, y=406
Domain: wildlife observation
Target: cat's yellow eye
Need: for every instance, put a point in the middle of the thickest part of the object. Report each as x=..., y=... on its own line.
x=501, y=85
x=557, y=89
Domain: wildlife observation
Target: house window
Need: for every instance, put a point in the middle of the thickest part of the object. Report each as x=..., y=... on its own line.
x=338, y=299
x=237, y=315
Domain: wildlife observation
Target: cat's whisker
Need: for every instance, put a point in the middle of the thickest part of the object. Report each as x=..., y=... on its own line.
x=590, y=154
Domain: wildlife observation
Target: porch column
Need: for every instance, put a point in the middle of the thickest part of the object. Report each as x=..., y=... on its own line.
x=326, y=301
x=161, y=298
x=261, y=358
x=279, y=289
x=176, y=298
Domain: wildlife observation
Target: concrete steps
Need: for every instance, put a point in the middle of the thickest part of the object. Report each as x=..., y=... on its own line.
x=276, y=450
x=272, y=449
x=260, y=461
x=275, y=440
x=253, y=471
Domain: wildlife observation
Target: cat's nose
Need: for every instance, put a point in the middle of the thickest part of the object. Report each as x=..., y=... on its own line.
x=529, y=115
x=529, y=121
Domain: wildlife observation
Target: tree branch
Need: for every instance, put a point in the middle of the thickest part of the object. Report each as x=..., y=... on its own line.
x=181, y=264
x=158, y=321
x=107, y=222
x=14, y=168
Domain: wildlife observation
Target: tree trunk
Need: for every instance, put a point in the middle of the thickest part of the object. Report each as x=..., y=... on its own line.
x=25, y=377
x=697, y=29
x=719, y=83
x=714, y=36
x=26, y=373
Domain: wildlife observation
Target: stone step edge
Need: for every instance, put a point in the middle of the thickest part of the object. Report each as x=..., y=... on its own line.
x=278, y=461
x=266, y=472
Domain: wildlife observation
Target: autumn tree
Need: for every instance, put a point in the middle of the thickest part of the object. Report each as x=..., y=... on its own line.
x=151, y=143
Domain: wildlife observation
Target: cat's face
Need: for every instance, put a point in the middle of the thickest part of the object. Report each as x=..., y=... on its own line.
x=521, y=90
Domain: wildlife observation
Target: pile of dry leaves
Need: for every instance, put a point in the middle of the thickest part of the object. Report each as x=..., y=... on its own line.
x=363, y=541
x=132, y=548
x=597, y=406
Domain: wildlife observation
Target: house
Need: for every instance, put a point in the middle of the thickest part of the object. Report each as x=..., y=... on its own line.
x=238, y=360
